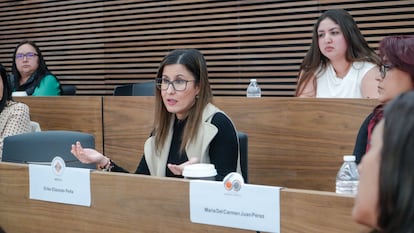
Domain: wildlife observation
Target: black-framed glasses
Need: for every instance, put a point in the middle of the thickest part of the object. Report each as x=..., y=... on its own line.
x=178, y=84
x=383, y=70
x=29, y=55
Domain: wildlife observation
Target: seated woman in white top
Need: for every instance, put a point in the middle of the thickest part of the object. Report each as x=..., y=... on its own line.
x=339, y=63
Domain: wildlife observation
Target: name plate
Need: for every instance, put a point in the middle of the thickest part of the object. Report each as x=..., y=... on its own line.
x=232, y=203
x=58, y=183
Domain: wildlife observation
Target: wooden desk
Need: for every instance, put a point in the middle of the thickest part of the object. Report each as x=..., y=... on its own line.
x=137, y=203
x=293, y=142
x=77, y=113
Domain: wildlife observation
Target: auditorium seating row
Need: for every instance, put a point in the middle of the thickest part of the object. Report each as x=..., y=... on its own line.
x=294, y=143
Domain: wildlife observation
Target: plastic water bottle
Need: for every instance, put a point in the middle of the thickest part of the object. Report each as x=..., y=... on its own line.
x=253, y=90
x=347, y=178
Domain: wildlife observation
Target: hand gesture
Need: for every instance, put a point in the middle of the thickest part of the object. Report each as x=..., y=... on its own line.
x=178, y=169
x=86, y=155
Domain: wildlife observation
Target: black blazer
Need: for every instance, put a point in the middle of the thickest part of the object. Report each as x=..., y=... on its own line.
x=362, y=139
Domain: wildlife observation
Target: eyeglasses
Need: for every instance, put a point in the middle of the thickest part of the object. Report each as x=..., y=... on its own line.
x=29, y=55
x=383, y=70
x=178, y=84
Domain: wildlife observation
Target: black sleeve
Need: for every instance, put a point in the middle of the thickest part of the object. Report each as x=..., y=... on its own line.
x=361, y=139
x=117, y=168
x=142, y=167
x=224, y=147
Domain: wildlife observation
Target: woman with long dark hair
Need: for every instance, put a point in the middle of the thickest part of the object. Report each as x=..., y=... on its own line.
x=339, y=62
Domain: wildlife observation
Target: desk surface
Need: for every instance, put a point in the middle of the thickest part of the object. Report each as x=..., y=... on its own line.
x=137, y=203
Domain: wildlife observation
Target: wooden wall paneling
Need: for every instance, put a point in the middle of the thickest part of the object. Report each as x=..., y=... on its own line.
x=76, y=113
x=294, y=143
x=98, y=45
x=297, y=143
x=127, y=124
x=58, y=28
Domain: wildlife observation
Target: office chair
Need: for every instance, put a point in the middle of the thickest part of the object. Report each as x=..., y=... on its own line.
x=42, y=147
x=136, y=89
x=68, y=89
x=243, y=147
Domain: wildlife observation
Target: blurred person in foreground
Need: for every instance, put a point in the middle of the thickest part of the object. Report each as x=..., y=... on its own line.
x=385, y=199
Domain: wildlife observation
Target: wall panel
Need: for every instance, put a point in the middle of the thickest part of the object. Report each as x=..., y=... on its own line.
x=97, y=45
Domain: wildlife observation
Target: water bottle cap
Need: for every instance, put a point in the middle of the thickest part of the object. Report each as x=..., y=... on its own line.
x=349, y=158
x=253, y=80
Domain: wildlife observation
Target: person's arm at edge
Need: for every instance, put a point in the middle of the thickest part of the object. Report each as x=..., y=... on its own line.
x=361, y=140
x=309, y=89
x=369, y=84
x=18, y=123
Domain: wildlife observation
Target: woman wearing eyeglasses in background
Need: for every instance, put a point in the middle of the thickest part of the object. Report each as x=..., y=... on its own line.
x=188, y=128
x=397, y=76
x=30, y=73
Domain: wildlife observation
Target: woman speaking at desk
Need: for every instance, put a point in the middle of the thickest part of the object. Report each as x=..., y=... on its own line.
x=188, y=128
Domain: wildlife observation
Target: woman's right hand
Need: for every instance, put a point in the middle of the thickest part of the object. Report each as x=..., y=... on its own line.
x=86, y=155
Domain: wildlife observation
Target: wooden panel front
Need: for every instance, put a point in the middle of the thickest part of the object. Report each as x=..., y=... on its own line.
x=136, y=203
x=76, y=113
x=128, y=123
x=98, y=45
x=295, y=143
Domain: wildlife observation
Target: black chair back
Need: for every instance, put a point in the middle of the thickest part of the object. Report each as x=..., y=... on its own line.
x=42, y=147
x=243, y=147
x=68, y=89
x=136, y=89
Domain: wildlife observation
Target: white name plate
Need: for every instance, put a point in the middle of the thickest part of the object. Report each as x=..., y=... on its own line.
x=58, y=183
x=237, y=205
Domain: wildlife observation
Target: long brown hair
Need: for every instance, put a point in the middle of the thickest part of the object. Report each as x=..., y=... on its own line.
x=194, y=61
x=358, y=49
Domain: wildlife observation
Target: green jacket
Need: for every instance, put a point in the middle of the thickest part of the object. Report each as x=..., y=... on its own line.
x=48, y=86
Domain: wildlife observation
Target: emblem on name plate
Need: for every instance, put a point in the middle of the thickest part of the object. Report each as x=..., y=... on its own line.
x=58, y=165
x=233, y=181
